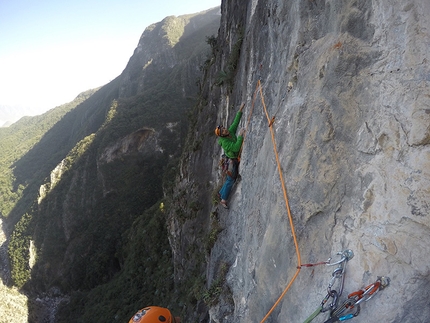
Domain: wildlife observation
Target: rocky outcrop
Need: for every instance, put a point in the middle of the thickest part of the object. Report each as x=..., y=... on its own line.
x=163, y=46
x=347, y=83
x=142, y=141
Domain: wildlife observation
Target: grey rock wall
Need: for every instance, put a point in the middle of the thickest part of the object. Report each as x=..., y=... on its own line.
x=353, y=136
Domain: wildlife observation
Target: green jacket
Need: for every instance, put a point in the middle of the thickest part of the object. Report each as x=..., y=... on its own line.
x=232, y=144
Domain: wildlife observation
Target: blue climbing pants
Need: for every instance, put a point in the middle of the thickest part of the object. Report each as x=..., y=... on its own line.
x=226, y=188
x=233, y=169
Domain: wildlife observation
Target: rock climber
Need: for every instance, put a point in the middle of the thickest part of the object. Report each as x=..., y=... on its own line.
x=231, y=145
x=154, y=314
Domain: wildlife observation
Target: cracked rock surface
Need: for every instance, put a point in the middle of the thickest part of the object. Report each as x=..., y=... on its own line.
x=348, y=82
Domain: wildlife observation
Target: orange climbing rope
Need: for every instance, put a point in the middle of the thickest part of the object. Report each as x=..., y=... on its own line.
x=287, y=205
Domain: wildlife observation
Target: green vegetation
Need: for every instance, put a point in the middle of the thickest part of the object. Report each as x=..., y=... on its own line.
x=174, y=29
x=99, y=228
x=212, y=294
x=226, y=76
x=15, y=142
x=215, y=230
x=99, y=200
x=19, y=251
x=146, y=276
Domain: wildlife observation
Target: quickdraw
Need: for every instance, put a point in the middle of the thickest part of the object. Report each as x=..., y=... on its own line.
x=355, y=298
x=338, y=274
x=337, y=314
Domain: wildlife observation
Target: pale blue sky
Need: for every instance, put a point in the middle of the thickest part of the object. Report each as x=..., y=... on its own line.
x=51, y=50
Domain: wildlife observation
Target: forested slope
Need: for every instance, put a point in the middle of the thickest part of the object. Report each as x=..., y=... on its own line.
x=85, y=211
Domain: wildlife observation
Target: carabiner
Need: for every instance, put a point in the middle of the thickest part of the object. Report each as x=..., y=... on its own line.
x=334, y=317
x=370, y=290
x=347, y=255
x=335, y=297
x=350, y=315
x=331, y=294
x=347, y=304
x=338, y=273
x=330, y=284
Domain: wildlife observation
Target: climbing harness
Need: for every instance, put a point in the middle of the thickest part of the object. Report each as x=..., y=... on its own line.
x=337, y=275
x=223, y=164
x=229, y=166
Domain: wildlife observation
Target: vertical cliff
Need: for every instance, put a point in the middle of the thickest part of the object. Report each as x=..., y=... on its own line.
x=348, y=85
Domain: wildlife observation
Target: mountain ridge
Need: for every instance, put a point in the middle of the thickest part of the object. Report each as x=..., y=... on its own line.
x=98, y=172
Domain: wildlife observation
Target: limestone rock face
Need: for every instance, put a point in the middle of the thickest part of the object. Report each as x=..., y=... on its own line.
x=348, y=84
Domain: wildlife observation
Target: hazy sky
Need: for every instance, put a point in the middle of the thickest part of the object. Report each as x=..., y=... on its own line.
x=51, y=50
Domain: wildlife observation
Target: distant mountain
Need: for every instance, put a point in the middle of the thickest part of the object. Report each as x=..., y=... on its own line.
x=11, y=114
x=82, y=186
